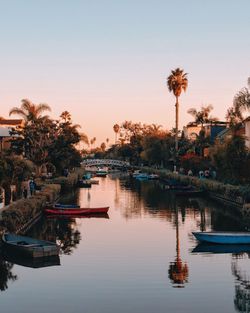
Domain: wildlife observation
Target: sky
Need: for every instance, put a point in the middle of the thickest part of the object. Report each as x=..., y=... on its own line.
x=106, y=61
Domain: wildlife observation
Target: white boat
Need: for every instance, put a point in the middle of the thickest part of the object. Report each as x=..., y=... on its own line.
x=223, y=237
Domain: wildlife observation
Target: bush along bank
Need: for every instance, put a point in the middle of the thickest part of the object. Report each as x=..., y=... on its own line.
x=237, y=196
x=21, y=212
x=68, y=182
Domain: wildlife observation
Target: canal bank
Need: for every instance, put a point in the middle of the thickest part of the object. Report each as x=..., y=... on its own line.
x=236, y=197
x=22, y=214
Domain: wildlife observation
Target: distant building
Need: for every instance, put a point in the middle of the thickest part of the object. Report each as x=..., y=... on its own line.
x=6, y=125
x=192, y=130
x=243, y=130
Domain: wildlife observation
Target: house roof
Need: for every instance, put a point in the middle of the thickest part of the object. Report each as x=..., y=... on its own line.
x=12, y=122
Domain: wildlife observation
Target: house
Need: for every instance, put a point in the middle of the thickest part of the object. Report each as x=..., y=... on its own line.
x=243, y=130
x=6, y=125
x=192, y=130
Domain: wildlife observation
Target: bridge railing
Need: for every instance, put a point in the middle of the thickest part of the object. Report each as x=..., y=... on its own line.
x=107, y=162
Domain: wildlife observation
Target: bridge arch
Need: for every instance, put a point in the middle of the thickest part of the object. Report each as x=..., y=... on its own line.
x=105, y=162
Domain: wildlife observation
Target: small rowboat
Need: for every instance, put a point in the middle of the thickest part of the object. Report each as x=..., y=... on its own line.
x=69, y=216
x=28, y=247
x=66, y=206
x=81, y=211
x=223, y=237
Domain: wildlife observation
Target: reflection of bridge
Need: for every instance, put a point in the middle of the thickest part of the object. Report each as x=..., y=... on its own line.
x=105, y=162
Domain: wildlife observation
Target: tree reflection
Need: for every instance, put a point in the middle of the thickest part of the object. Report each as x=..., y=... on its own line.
x=6, y=274
x=242, y=288
x=178, y=270
x=63, y=231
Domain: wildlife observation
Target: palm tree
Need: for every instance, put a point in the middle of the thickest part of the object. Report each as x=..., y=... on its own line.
x=103, y=146
x=202, y=116
x=116, y=129
x=107, y=141
x=176, y=82
x=29, y=111
x=242, y=98
x=241, y=103
x=65, y=116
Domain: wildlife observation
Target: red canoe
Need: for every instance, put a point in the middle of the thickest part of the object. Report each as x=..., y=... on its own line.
x=81, y=211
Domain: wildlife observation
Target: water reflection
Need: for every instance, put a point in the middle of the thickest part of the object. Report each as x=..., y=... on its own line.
x=63, y=231
x=6, y=274
x=242, y=287
x=126, y=269
x=178, y=270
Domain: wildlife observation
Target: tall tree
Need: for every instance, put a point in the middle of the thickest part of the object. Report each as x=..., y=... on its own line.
x=116, y=129
x=29, y=111
x=203, y=116
x=177, y=82
x=242, y=98
x=65, y=116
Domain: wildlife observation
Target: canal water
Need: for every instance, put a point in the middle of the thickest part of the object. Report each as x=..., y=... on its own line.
x=140, y=258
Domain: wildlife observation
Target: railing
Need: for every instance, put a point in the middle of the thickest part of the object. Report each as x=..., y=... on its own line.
x=107, y=162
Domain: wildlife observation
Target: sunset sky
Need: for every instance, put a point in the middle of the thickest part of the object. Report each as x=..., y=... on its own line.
x=107, y=61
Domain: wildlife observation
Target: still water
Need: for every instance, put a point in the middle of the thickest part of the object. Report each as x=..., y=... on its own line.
x=139, y=258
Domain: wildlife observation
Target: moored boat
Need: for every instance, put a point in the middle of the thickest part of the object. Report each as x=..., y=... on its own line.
x=83, y=183
x=142, y=176
x=153, y=176
x=66, y=206
x=189, y=192
x=29, y=247
x=69, y=216
x=80, y=211
x=223, y=237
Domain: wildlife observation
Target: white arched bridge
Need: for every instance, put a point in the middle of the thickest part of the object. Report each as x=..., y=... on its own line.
x=105, y=162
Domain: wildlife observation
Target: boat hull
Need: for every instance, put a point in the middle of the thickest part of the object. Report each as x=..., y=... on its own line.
x=81, y=211
x=66, y=206
x=29, y=247
x=223, y=237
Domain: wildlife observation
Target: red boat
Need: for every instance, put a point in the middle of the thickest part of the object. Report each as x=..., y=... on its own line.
x=80, y=211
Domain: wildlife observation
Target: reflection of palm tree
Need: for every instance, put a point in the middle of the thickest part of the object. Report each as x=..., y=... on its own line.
x=6, y=274
x=178, y=271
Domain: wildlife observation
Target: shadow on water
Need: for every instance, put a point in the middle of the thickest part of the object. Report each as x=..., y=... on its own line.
x=63, y=231
x=6, y=274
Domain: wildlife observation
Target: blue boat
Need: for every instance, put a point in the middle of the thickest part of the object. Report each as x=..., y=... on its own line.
x=234, y=238
x=66, y=206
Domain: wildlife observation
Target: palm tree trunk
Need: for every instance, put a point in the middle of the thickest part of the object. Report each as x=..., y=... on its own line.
x=176, y=123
